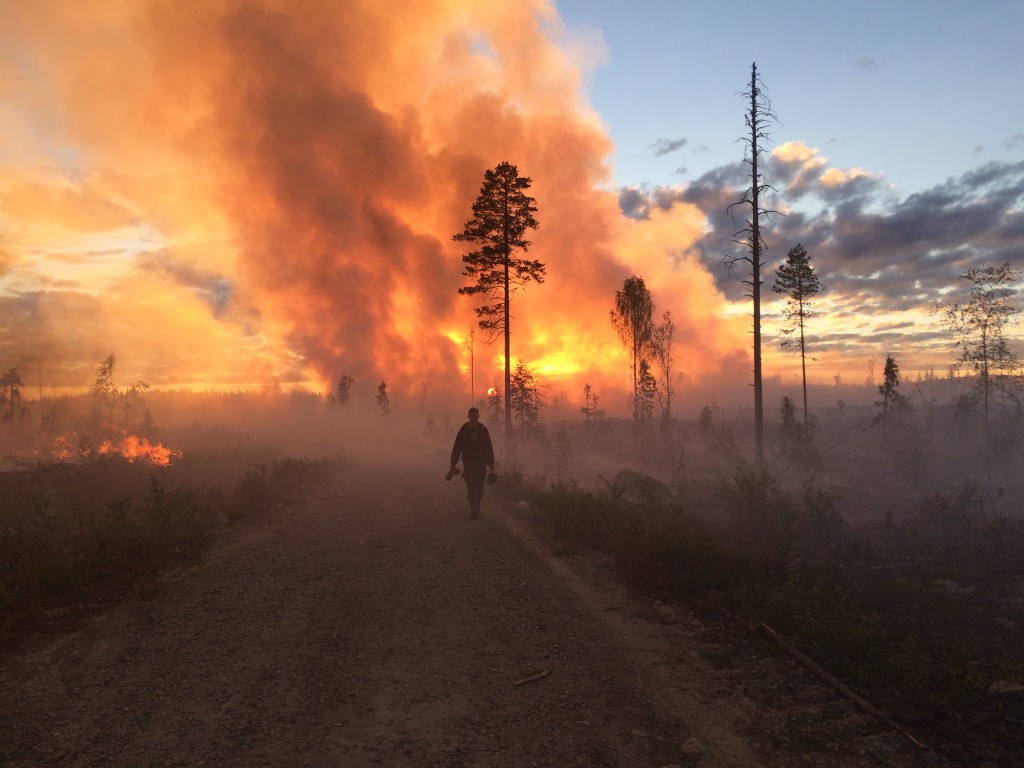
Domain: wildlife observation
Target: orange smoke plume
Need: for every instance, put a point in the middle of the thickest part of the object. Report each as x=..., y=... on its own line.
x=301, y=168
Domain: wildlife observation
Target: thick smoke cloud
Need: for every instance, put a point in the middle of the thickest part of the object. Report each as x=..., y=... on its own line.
x=277, y=185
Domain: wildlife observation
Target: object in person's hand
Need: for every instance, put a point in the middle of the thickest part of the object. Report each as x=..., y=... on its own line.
x=452, y=473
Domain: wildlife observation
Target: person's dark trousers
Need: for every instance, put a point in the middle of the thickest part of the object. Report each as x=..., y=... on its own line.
x=474, y=476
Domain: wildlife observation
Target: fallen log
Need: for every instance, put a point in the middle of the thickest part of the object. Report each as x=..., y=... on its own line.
x=865, y=705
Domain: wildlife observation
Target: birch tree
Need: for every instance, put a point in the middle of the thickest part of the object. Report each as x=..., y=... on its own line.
x=632, y=318
x=980, y=324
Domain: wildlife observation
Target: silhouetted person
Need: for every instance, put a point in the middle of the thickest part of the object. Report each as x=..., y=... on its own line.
x=473, y=446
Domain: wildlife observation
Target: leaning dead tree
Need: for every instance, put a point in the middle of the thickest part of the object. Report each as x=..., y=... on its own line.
x=758, y=116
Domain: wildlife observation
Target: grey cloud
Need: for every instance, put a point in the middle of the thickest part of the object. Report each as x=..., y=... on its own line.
x=634, y=203
x=881, y=253
x=666, y=146
x=214, y=289
x=991, y=173
x=856, y=188
x=919, y=246
x=796, y=180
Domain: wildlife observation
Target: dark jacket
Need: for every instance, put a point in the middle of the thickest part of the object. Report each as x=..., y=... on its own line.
x=473, y=445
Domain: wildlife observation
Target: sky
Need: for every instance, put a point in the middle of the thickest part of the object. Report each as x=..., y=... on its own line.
x=235, y=194
x=917, y=91
x=897, y=147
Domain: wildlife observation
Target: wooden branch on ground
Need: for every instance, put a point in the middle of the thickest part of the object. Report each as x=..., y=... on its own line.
x=865, y=705
x=531, y=678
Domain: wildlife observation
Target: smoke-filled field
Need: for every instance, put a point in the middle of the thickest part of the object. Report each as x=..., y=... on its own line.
x=890, y=551
x=300, y=239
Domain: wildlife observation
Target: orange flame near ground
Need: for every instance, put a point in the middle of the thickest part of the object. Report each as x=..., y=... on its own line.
x=70, y=447
x=131, y=447
x=63, y=448
x=139, y=449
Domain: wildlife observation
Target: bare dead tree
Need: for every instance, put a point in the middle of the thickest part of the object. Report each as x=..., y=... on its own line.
x=661, y=351
x=758, y=116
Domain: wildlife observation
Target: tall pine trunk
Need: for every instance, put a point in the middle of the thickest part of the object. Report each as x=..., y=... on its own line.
x=749, y=237
x=755, y=268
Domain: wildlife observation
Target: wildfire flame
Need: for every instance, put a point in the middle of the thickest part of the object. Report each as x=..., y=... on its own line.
x=131, y=447
x=63, y=448
x=139, y=449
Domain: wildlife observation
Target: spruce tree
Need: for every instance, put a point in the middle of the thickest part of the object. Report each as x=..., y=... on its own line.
x=796, y=280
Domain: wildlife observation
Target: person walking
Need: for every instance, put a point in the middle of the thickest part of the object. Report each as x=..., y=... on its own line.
x=473, y=446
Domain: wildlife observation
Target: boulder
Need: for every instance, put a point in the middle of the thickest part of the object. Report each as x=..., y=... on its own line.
x=640, y=489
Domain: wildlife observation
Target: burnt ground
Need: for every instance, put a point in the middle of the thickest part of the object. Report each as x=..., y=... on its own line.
x=374, y=623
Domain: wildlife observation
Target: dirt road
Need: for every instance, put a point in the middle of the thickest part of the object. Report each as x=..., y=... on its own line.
x=374, y=623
